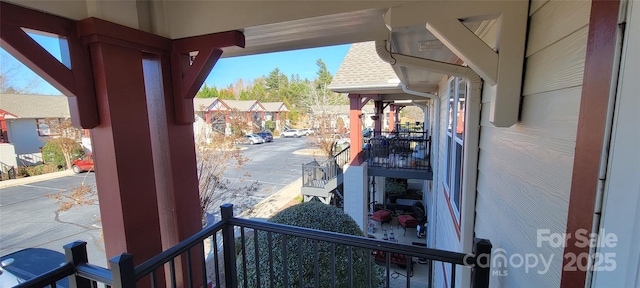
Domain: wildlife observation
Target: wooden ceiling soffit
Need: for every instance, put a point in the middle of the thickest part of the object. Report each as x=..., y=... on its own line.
x=502, y=68
x=189, y=72
x=74, y=77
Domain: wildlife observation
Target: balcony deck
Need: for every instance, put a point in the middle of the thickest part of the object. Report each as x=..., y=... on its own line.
x=231, y=234
x=398, y=155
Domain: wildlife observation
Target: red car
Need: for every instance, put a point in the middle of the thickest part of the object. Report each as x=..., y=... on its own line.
x=84, y=164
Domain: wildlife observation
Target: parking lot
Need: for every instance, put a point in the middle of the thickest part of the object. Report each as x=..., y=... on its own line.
x=28, y=217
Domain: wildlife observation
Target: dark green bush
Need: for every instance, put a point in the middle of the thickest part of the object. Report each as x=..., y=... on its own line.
x=318, y=216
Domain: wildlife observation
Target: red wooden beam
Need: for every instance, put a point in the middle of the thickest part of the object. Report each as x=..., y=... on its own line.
x=76, y=82
x=98, y=30
x=189, y=74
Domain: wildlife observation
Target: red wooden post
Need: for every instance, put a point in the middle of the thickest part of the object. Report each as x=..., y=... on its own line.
x=377, y=121
x=355, y=123
x=392, y=117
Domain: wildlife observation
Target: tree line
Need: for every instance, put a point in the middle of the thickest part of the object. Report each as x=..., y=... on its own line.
x=297, y=93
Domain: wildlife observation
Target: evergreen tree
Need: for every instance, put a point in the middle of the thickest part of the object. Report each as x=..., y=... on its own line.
x=323, y=75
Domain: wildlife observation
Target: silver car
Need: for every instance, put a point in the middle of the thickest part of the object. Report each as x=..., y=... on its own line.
x=254, y=139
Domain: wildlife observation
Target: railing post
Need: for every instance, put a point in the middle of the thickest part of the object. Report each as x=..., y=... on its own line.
x=228, y=240
x=123, y=271
x=76, y=254
x=481, y=272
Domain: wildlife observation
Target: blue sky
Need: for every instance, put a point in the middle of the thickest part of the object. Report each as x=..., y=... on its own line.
x=226, y=72
x=303, y=62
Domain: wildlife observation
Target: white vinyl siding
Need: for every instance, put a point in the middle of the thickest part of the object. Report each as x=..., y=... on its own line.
x=524, y=172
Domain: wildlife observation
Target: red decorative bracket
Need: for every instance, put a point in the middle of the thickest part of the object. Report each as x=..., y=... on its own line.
x=76, y=82
x=189, y=73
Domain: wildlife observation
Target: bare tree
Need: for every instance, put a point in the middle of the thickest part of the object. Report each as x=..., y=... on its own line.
x=217, y=155
x=321, y=97
x=323, y=106
x=15, y=78
x=214, y=158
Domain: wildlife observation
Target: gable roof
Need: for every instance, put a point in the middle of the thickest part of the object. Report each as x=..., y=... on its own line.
x=248, y=105
x=362, y=69
x=274, y=106
x=35, y=106
x=201, y=104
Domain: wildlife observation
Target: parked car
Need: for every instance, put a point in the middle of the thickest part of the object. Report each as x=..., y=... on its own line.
x=29, y=263
x=253, y=139
x=291, y=133
x=266, y=135
x=306, y=131
x=83, y=164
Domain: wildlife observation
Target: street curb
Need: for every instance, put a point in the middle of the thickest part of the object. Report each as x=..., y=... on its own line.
x=33, y=179
x=270, y=205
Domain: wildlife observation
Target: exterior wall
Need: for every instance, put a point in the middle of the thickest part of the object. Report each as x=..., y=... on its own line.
x=524, y=172
x=23, y=134
x=8, y=154
x=355, y=193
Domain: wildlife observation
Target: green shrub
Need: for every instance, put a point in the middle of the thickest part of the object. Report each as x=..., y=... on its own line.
x=52, y=154
x=314, y=215
x=270, y=125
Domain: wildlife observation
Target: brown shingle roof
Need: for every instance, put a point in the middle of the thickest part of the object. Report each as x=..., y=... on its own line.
x=362, y=68
x=274, y=106
x=201, y=104
x=35, y=106
x=241, y=105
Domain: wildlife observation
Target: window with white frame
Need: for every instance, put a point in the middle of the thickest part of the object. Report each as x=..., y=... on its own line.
x=455, y=140
x=45, y=126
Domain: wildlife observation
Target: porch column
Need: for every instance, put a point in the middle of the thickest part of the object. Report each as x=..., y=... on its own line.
x=208, y=117
x=123, y=145
x=392, y=117
x=397, y=115
x=145, y=153
x=4, y=136
x=278, y=120
x=377, y=123
x=227, y=123
x=355, y=123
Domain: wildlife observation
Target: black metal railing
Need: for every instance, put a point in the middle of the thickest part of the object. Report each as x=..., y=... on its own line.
x=408, y=150
x=318, y=174
x=232, y=242
x=342, y=157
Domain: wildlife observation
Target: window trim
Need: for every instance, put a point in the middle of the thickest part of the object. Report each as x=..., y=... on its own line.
x=42, y=121
x=452, y=165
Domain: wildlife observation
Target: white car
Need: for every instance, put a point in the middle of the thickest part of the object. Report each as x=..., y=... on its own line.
x=291, y=133
x=306, y=131
x=254, y=139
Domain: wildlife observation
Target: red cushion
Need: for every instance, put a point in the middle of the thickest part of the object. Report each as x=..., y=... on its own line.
x=407, y=221
x=381, y=215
